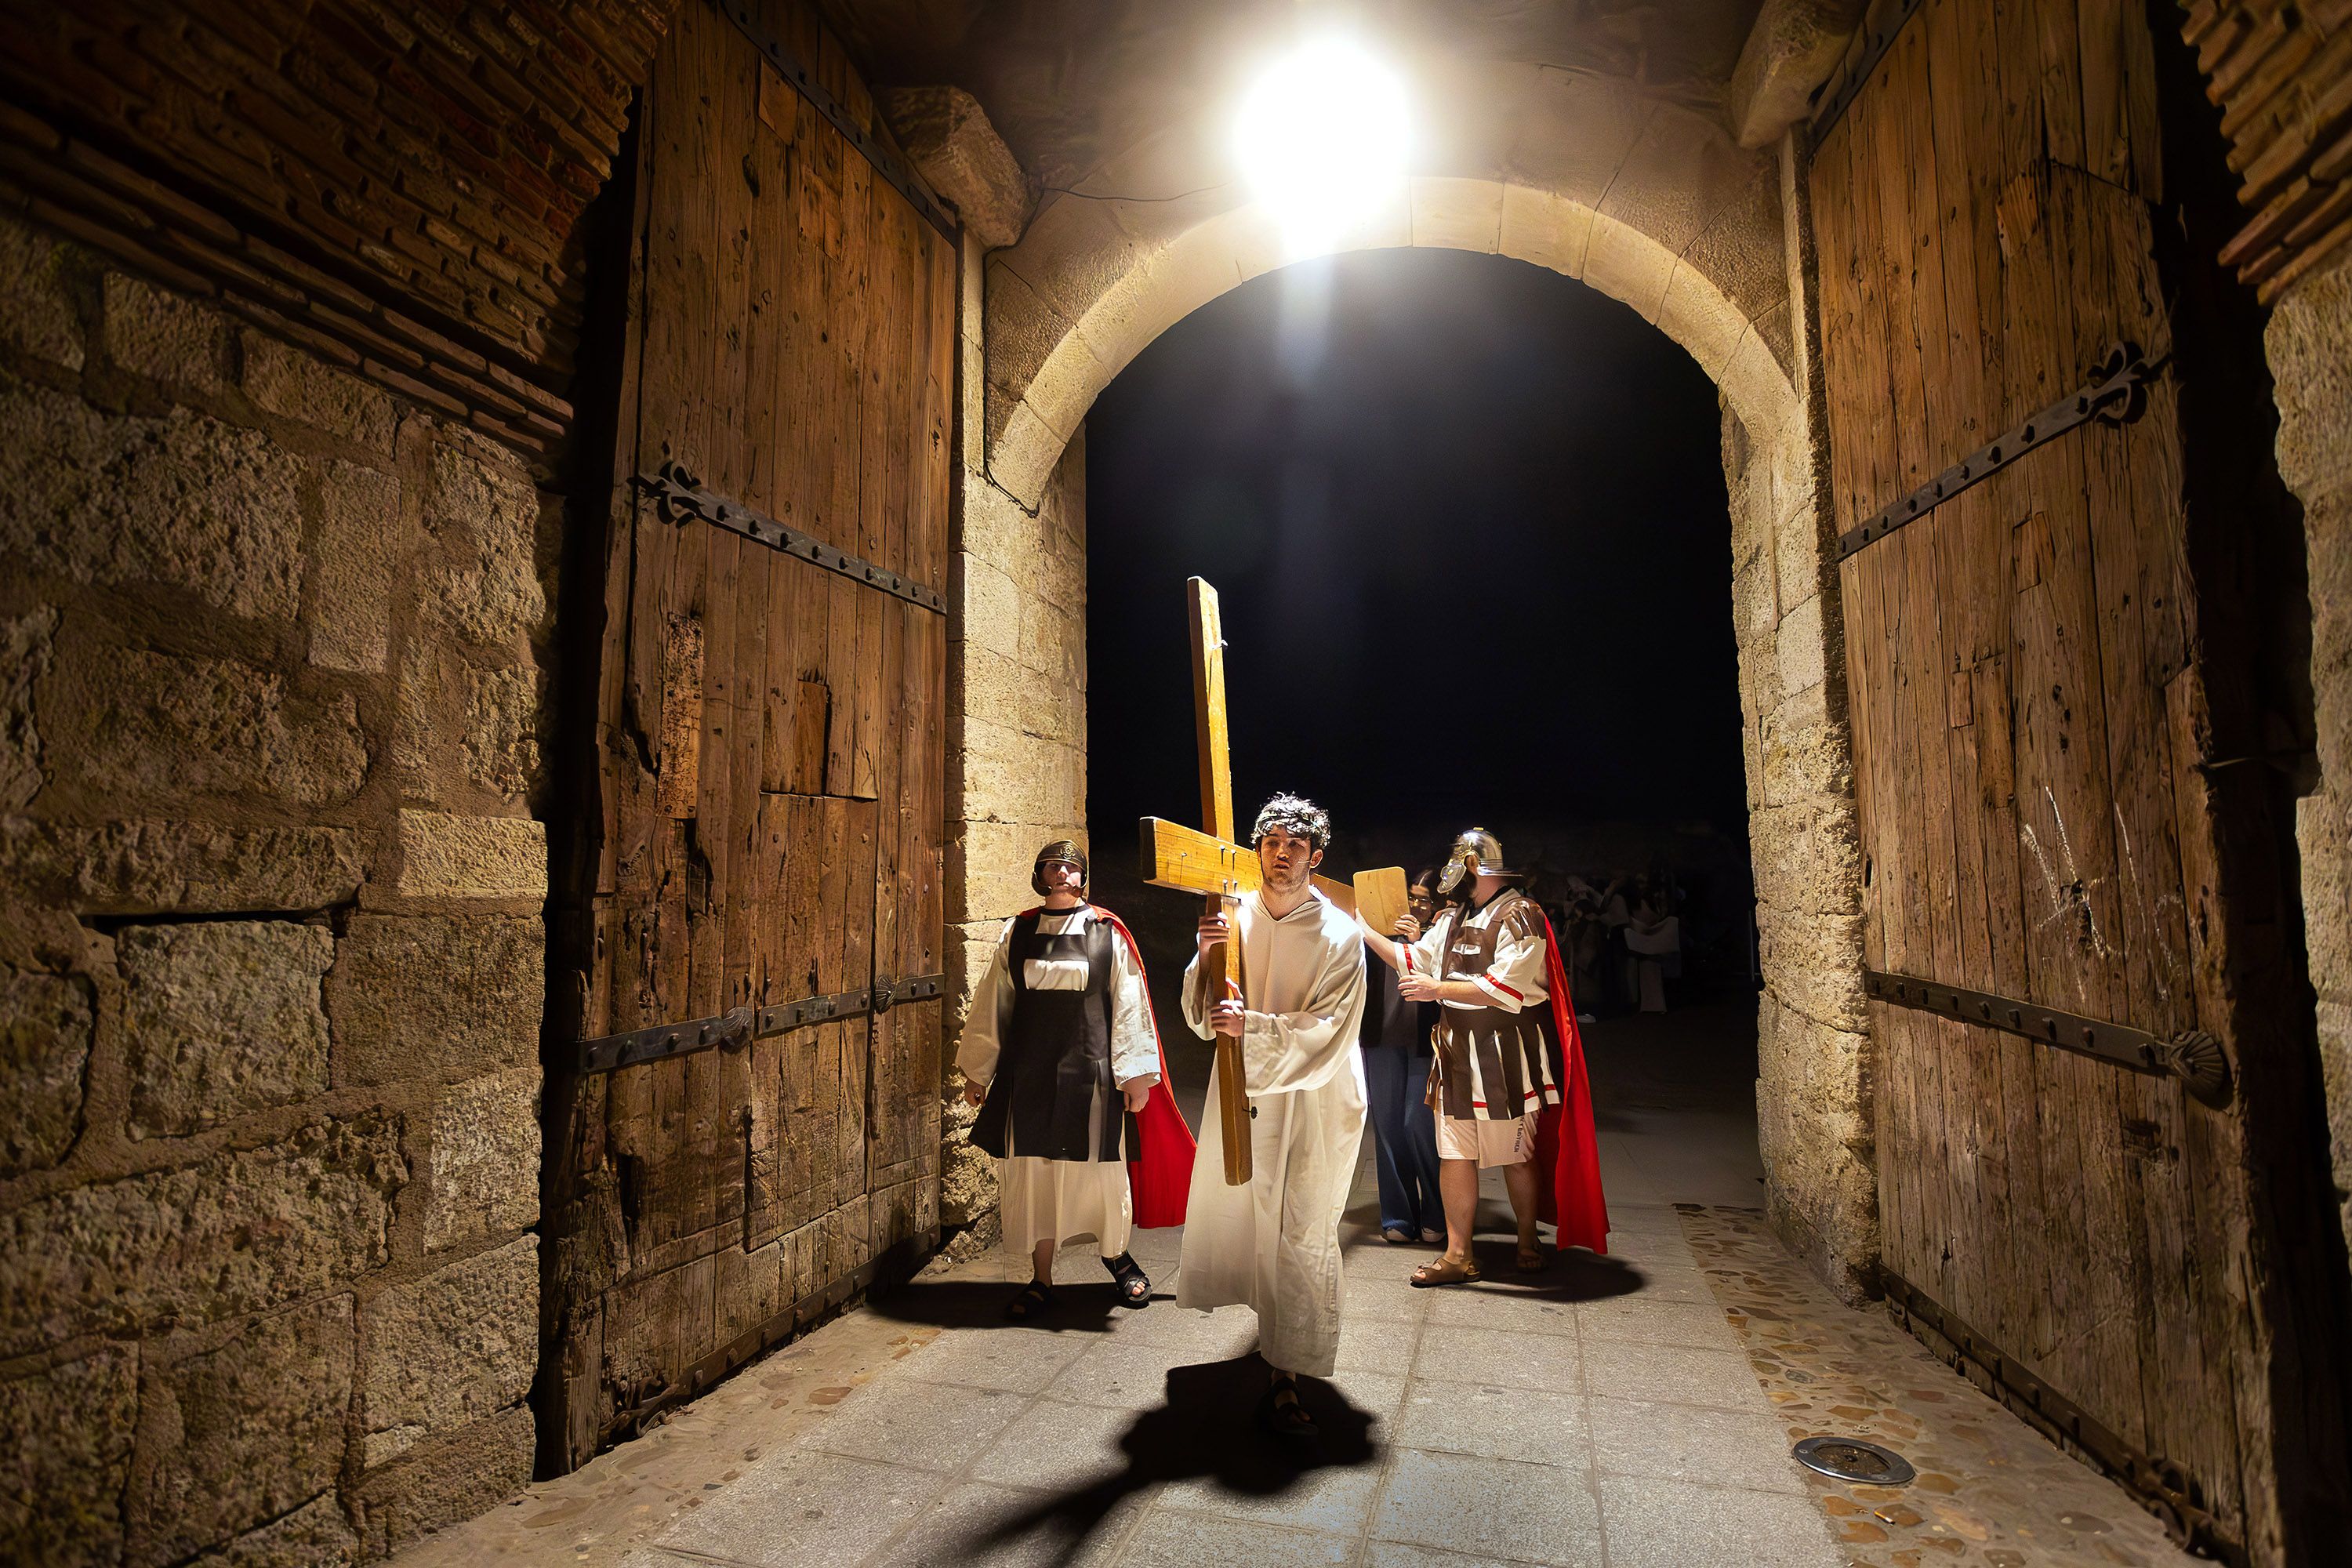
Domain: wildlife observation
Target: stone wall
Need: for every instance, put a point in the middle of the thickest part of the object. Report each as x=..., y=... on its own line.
x=270, y=971
x=1016, y=720
x=1813, y=1107
x=2310, y=347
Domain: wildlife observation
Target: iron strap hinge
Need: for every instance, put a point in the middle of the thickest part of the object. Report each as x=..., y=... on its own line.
x=2114, y=395
x=2191, y=1056
x=875, y=151
x=743, y=1025
x=1874, y=45
x=2166, y=1487
x=677, y=496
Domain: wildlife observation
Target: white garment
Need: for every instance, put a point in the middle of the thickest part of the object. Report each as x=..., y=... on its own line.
x=1062, y=1200
x=1274, y=1244
x=1513, y=980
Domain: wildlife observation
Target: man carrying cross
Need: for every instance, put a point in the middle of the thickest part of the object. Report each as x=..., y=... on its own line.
x=1272, y=1242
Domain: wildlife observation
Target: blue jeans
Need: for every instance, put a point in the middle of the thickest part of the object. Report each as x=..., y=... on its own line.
x=1404, y=1139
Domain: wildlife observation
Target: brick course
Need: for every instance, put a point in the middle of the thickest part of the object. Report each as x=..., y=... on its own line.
x=400, y=189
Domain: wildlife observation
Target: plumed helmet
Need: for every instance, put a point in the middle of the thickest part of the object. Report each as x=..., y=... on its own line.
x=1476, y=853
x=1060, y=849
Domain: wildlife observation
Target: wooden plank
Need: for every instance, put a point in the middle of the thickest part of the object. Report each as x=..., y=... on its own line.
x=1936, y=429
x=1975, y=557
x=2139, y=530
x=1883, y=362
x=1382, y=897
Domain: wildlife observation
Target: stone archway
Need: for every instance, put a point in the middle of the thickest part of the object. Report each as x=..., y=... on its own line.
x=1650, y=205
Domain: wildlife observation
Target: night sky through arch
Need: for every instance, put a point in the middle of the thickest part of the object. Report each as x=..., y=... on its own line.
x=1385, y=439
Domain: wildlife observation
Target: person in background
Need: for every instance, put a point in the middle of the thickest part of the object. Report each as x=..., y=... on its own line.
x=1652, y=940
x=1397, y=1063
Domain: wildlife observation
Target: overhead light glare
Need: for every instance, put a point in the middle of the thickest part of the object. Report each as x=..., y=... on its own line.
x=1323, y=138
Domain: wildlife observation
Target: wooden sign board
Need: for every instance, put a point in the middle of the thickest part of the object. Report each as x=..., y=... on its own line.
x=1380, y=898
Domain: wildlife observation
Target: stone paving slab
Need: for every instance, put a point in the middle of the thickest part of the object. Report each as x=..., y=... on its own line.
x=1463, y=1426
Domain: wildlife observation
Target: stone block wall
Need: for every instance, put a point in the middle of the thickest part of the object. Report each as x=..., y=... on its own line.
x=270, y=961
x=2309, y=343
x=1016, y=720
x=1813, y=1098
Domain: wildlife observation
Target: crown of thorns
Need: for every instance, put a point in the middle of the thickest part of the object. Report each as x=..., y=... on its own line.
x=1297, y=815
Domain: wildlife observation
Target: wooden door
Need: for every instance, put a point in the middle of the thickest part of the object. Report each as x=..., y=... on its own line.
x=768, y=792
x=2061, y=892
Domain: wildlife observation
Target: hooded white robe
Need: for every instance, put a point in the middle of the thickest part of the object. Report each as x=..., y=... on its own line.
x=1273, y=1244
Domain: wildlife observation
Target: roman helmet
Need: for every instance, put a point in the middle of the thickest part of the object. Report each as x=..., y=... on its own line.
x=1476, y=853
x=1060, y=849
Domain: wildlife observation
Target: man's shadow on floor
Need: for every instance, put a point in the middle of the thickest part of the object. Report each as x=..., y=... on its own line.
x=1087, y=1309
x=1205, y=1431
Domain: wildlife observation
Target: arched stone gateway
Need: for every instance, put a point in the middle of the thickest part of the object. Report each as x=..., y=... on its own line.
x=1036, y=407
x=1652, y=205
x=328, y=445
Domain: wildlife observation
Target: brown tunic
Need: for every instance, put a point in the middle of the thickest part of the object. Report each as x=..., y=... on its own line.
x=1493, y=1065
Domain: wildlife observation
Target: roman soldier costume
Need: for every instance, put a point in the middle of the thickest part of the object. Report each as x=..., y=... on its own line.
x=1509, y=1080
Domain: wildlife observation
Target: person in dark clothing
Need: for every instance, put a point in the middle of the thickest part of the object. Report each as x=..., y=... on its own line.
x=1396, y=1080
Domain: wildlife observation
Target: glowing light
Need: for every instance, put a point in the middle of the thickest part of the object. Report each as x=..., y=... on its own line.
x=1323, y=138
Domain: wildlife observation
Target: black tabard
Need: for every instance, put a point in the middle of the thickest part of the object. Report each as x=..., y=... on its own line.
x=1055, y=1056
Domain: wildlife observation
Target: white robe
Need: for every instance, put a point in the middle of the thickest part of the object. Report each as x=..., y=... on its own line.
x=1274, y=1244
x=1062, y=1200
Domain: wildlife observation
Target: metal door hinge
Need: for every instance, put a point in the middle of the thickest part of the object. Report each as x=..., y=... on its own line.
x=876, y=149
x=741, y=1026
x=2192, y=1055
x=2114, y=395
x=678, y=495
x=1876, y=42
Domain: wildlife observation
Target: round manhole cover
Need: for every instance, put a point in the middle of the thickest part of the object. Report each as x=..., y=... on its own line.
x=1852, y=1460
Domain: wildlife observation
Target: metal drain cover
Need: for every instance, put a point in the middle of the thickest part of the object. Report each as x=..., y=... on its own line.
x=1852, y=1460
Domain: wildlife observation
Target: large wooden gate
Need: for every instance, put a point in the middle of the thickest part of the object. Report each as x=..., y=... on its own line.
x=747, y=1130
x=2080, y=989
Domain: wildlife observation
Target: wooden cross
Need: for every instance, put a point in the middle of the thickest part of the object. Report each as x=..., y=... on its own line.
x=1211, y=863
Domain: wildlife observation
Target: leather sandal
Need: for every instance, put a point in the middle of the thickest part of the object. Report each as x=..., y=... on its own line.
x=1134, y=1285
x=1033, y=1301
x=1280, y=1414
x=1447, y=1271
x=1530, y=1261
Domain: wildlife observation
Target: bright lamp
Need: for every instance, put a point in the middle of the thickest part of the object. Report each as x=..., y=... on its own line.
x=1323, y=137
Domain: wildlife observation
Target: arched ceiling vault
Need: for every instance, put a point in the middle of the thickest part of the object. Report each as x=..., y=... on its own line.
x=1589, y=139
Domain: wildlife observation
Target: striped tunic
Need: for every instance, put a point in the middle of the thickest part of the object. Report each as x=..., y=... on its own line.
x=1496, y=1061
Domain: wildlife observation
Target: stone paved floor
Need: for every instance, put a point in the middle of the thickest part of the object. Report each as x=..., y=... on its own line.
x=1992, y=1491
x=1632, y=1411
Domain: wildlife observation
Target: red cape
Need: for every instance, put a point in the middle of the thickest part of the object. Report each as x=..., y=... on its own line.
x=1564, y=1140
x=1161, y=1174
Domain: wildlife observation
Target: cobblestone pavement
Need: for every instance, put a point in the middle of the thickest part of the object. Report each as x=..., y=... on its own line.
x=1990, y=1491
